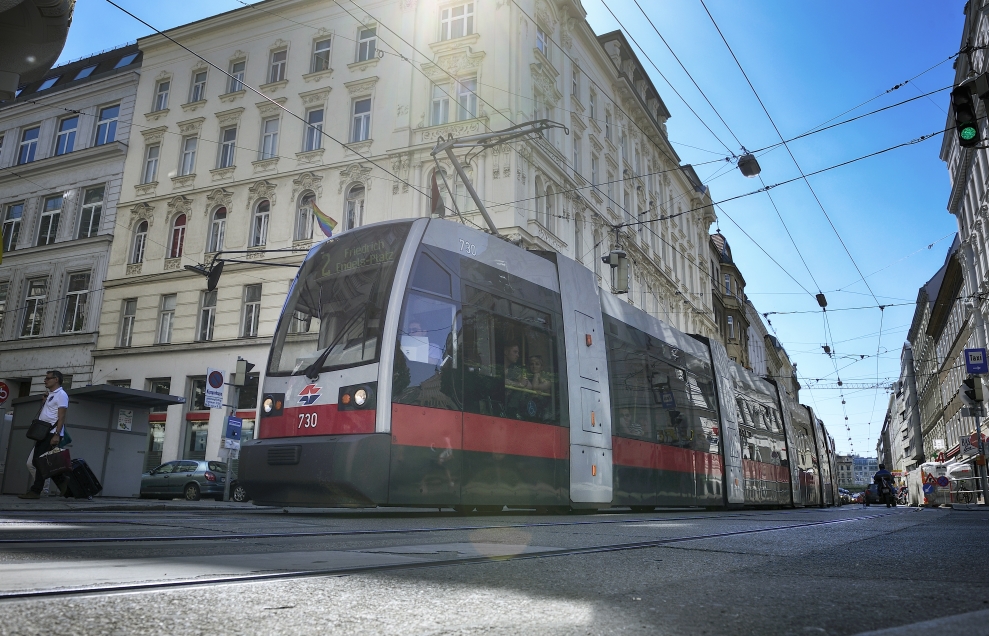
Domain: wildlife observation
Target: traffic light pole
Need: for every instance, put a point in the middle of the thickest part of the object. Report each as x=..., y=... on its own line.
x=981, y=457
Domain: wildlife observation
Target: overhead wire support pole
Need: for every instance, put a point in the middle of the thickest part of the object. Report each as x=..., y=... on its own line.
x=485, y=141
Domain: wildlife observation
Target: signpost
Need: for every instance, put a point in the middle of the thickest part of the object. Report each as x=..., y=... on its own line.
x=977, y=365
x=214, y=388
x=976, y=362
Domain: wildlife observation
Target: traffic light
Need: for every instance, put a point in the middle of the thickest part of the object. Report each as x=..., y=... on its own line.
x=971, y=391
x=966, y=121
x=618, y=260
x=243, y=368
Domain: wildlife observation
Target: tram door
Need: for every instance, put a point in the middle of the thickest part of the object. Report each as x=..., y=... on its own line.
x=731, y=442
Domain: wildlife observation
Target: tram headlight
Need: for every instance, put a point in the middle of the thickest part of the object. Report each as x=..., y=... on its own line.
x=272, y=404
x=357, y=397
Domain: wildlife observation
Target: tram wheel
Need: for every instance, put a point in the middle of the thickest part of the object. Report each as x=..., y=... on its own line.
x=642, y=508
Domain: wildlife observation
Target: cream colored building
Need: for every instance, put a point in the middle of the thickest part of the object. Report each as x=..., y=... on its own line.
x=358, y=97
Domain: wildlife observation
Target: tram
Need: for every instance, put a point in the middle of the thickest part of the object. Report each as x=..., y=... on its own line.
x=424, y=363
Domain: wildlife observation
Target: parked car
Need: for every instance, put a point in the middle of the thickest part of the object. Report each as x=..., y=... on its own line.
x=846, y=497
x=187, y=478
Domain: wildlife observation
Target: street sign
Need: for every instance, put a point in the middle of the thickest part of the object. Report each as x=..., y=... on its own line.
x=214, y=388
x=928, y=489
x=967, y=445
x=4, y=392
x=232, y=444
x=943, y=481
x=975, y=362
x=234, y=425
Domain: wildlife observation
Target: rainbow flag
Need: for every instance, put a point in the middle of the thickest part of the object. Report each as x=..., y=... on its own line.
x=326, y=223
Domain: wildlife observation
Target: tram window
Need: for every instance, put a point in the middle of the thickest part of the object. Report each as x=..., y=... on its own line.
x=510, y=366
x=431, y=277
x=426, y=366
x=345, y=287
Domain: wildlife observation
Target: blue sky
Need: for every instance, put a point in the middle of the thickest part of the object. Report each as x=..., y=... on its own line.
x=808, y=61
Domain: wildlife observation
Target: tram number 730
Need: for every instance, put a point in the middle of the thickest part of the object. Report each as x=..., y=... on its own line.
x=467, y=246
x=307, y=420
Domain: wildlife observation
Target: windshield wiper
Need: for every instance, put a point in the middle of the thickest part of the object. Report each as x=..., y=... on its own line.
x=312, y=371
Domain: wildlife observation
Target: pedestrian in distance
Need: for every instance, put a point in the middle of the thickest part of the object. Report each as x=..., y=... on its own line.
x=53, y=410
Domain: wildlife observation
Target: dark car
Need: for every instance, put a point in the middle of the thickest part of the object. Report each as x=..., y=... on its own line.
x=188, y=478
x=872, y=495
x=237, y=492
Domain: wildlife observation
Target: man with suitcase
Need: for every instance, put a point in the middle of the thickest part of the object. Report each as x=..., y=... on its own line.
x=53, y=411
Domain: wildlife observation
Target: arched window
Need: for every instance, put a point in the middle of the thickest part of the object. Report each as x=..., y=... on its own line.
x=304, y=224
x=550, y=209
x=354, y=211
x=217, y=228
x=177, y=241
x=140, y=240
x=259, y=231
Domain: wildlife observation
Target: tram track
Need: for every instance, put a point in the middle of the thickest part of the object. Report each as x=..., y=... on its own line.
x=364, y=569
x=344, y=533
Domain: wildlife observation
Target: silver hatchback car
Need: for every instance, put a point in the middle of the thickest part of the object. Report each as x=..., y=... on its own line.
x=188, y=478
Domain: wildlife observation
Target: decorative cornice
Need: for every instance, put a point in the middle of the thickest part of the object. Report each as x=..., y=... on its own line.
x=260, y=190
x=307, y=181
x=231, y=97
x=267, y=108
x=193, y=106
x=310, y=156
x=363, y=65
x=315, y=98
x=179, y=205
x=156, y=115
x=145, y=189
x=218, y=198
x=229, y=117
x=361, y=148
x=318, y=76
x=142, y=212
x=355, y=172
x=264, y=165
x=219, y=174
x=544, y=80
x=184, y=181
x=457, y=63
x=445, y=46
x=154, y=135
x=361, y=86
x=273, y=87
x=191, y=126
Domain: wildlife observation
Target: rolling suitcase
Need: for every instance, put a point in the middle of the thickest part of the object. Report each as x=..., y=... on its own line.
x=82, y=483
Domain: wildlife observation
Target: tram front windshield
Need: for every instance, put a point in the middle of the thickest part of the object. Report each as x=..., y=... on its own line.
x=336, y=309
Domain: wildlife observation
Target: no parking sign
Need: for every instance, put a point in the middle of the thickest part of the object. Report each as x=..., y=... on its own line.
x=214, y=388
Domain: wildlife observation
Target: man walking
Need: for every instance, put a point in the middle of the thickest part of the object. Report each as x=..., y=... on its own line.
x=53, y=411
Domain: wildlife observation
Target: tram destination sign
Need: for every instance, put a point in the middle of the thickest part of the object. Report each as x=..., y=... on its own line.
x=975, y=362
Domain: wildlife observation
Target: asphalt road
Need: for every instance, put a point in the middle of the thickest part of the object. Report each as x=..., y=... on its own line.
x=241, y=570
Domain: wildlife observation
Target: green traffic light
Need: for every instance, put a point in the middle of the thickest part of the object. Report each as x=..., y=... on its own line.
x=968, y=133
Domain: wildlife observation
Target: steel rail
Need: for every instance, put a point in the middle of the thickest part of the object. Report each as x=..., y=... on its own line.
x=300, y=574
x=344, y=533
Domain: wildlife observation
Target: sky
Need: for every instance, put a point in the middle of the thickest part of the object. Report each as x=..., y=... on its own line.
x=883, y=217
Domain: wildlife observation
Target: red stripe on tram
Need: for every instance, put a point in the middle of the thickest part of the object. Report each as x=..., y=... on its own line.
x=640, y=454
x=441, y=428
x=764, y=472
x=322, y=419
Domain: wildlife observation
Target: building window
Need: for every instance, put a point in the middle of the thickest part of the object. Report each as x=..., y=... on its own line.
x=456, y=22
x=276, y=71
x=306, y=218
x=361, y=129
x=731, y=328
x=439, y=111
x=217, y=229
x=161, y=386
x=252, y=310
x=236, y=83
x=140, y=242
x=106, y=128
x=92, y=212
x=166, y=316
x=86, y=72
x=34, y=307
x=594, y=171
x=228, y=144
x=314, y=130
x=321, y=55
x=76, y=297
x=125, y=60
x=50, y=215
x=575, y=82
x=366, y=42
x=161, y=96
x=198, y=92
x=65, y=140
x=607, y=125
x=127, y=322
x=301, y=321
x=578, y=239
x=728, y=284
x=611, y=188
x=187, y=164
x=207, y=316
x=176, y=242
x=550, y=209
x=593, y=105
x=12, y=225
x=467, y=99
x=29, y=145
x=354, y=215
x=269, y=138
x=4, y=286
x=576, y=155
x=259, y=236
x=541, y=42
x=48, y=83
x=151, y=164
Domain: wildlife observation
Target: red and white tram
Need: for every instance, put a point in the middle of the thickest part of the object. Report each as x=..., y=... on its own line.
x=424, y=363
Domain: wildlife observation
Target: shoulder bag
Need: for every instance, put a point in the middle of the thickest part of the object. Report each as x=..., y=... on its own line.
x=39, y=429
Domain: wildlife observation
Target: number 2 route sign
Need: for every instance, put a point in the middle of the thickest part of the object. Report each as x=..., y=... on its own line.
x=4, y=392
x=975, y=361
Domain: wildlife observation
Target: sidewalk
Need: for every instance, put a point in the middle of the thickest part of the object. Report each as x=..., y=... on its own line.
x=11, y=503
